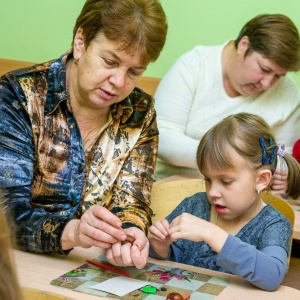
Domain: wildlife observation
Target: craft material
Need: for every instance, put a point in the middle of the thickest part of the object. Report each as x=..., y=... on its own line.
x=165, y=279
x=110, y=268
x=149, y=289
x=129, y=239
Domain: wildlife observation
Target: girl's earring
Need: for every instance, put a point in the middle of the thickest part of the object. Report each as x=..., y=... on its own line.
x=76, y=61
x=258, y=191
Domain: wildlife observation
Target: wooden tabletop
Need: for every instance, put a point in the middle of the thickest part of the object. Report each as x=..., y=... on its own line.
x=37, y=270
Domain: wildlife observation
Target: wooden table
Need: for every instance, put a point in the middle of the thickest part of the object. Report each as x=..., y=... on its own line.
x=37, y=270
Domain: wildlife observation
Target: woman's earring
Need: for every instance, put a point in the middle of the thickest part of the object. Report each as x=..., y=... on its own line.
x=258, y=191
x=76, y=61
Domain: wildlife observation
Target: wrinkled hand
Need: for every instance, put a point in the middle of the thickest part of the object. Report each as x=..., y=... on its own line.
x=128, y=254
x=279, y=180
x=98, y=227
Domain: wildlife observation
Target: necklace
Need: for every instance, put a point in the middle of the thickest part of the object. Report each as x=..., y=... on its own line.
x=90, y=139
x=217, y=219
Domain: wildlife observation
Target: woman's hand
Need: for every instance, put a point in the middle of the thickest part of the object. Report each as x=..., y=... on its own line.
x=97, y=227
x=279, y=180
x=130, y=254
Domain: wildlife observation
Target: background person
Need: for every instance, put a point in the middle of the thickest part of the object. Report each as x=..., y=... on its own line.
x=78, y=142
x=229, y=228
x=208, y=83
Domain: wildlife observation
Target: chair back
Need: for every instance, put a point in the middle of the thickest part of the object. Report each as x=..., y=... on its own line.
x=167, y=195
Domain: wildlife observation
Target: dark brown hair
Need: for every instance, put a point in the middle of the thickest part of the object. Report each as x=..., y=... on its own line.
x=275, y=37
x=132, y=24
x=241, y=134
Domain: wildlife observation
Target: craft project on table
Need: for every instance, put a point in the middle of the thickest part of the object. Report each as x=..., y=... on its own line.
x=165, y=279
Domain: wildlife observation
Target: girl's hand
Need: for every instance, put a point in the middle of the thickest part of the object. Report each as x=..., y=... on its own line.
x=189, y=227
x=159, y=238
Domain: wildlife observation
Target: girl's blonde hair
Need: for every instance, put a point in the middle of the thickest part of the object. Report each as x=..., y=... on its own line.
x=9, y=286
x=245, y=134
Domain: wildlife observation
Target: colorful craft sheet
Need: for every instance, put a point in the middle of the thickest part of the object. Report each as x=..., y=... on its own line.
x=165, y=279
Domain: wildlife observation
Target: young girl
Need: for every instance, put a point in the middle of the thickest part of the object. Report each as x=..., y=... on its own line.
x=229, y=228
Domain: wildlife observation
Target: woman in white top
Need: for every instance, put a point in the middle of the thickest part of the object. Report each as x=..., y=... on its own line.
x=207, y=84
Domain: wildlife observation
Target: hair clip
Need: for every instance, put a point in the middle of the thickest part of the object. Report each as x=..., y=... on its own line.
x=272, y=148
x=281, y=152
x=264, y=149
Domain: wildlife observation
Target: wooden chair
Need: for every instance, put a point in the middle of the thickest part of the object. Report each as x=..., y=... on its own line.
x=280, y=204
x=7, y=65
x=167, y=195
x=149, y=84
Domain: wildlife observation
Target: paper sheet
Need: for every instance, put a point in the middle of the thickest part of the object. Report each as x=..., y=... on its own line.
x=125, y=285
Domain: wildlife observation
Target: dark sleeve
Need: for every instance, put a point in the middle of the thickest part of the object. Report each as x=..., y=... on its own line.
x=35, y=230
x=132, y=192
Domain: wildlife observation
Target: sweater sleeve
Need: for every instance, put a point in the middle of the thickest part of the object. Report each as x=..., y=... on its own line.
x=174, y=99
x=264, y=269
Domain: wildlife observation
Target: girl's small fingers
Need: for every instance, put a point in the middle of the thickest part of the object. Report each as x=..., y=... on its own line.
x=155, y=233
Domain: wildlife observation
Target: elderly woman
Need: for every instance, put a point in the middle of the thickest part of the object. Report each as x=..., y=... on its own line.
x=78, y=141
